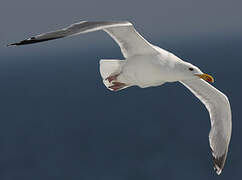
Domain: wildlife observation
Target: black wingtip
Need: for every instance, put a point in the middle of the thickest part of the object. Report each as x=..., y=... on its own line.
x=218, y=163
x=32, y=40
x=12, y=44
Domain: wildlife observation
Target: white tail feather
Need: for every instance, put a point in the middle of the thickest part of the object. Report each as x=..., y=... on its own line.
x=108, y=68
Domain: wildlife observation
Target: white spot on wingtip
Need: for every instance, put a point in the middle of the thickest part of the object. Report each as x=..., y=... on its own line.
x=218, y=170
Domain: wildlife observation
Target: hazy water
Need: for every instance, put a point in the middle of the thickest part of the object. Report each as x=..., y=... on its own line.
x=58, y=121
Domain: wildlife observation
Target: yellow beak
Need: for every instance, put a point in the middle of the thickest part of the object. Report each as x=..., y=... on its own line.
x=206, y=77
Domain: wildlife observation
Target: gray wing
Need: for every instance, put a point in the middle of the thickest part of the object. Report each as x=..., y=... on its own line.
x=220, y=115
x=123, y=32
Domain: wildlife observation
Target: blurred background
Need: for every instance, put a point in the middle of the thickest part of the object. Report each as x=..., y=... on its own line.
x=58, y=121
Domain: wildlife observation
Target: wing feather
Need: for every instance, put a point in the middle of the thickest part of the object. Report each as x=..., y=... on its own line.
x=123, y=32
x=220, y=115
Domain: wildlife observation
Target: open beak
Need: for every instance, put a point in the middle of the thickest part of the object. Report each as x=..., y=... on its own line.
x=206, y=77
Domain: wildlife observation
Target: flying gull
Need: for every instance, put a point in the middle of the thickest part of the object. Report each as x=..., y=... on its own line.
x=146, y=65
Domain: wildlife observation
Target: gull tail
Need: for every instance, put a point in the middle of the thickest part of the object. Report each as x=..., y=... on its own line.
x=110, y=70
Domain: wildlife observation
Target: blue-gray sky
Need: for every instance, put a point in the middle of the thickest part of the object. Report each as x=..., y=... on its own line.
x=156, y=20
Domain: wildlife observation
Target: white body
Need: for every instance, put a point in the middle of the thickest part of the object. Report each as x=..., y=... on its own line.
x=158, y=70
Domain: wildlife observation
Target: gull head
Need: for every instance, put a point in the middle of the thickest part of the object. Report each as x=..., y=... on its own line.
x=190, y=72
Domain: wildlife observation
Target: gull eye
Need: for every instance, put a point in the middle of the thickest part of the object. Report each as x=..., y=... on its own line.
x=191, y=69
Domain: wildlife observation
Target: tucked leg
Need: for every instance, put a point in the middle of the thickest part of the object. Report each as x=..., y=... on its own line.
x=117, y=86
x=112, y=78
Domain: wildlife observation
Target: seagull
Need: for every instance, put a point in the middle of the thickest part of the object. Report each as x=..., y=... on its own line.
x=146, y=65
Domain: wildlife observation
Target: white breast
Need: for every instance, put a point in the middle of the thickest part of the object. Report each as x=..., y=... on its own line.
x=145, y=71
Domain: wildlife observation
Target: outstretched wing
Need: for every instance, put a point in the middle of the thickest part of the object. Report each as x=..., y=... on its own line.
x=220, y=114
x=123, y=32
